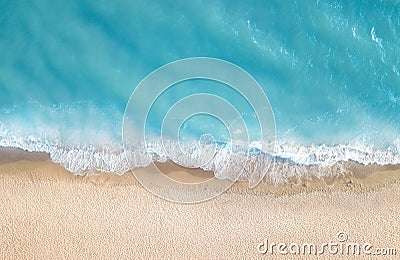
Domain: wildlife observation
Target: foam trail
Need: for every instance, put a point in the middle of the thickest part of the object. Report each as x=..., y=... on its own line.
x=289, y=160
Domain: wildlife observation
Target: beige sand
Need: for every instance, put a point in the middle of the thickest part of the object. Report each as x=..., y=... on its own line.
x=46, y=212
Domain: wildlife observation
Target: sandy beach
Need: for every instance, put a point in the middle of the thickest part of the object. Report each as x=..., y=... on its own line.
x=47, y=212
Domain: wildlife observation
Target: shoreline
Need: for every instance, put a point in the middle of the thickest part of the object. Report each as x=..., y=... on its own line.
x=354, y=181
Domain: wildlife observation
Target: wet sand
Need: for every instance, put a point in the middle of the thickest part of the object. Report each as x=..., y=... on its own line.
x=47, y=212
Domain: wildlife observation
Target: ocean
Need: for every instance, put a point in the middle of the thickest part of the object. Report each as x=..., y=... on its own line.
x=330, y=71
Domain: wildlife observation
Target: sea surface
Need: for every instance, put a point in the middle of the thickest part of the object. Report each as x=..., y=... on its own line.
x=330, y=70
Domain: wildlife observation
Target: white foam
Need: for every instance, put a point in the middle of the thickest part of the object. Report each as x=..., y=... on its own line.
x=291, y=160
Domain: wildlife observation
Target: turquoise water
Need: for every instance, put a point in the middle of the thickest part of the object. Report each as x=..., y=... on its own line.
x=330, y=69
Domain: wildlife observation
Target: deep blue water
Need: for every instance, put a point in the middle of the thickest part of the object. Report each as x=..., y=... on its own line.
x=330, y=69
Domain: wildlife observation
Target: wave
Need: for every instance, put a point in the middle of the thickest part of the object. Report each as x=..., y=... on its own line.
x=288, y=161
